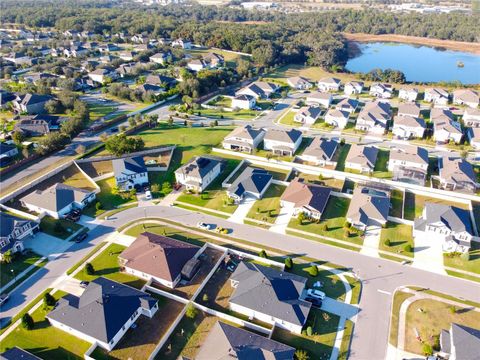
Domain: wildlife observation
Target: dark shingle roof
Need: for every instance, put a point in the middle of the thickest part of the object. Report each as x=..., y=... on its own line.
x=56, y=197
x=8, y=223
x=132, y=164
x=250, y=180
x=198, y=167
x=270, y=291
x=4, y=148
x=466, y=341
x=454, y=218
x=103, y=308
x=16, y=353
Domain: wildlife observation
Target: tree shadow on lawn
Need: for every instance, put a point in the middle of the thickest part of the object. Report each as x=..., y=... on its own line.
x=397, y=243
x=58, y=353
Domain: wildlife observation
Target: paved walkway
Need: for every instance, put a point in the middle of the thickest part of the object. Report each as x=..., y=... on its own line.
x=283, y=219
x=171, y=198
x=242, y=210
x=371, y=241
x=428, y=254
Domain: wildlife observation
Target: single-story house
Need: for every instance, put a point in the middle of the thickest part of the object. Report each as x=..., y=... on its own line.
x=299, y=83
x=368, y=207
x=410, y=109
x=102, y=75
x=214, y=60
x=130, y=172
x=252, y=182
x=199, y=173
x=361, y=158
x=320, y=152
x=160, y=80
x=161, y=57
x=157, y=257
x=282, y=142
x=155, y=89
x=307, y=115
x=103, y=313
x=182, y=43
x=197, y=65
x=270, y=295
x=13, y=231
x=329, y=84
x=457, y=175
x=436, y=95
x=244, y=139
x=337, y=118
x=353, y=87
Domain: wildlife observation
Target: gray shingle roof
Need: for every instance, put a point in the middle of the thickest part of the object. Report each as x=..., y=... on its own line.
x=454, y=218
x=287, y=136
x=270, y=291
x=103, y=308
x=134, y=164
x=466, y=342
x=198, y=167
x=8, y=223
x=321, y=148
x=16, y=353
x=250, y=180
x=368, y=204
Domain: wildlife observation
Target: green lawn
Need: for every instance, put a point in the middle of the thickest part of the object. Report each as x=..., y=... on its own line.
x=47, y=225
x=44, y=340
x=288, y=119
x=106, y=265
x=472, y=265
x=242, y=114
x=19, y=264
x=108, y=200
x=414, y=204
x=398, y=299
x=381, y=170
x=340, y=156
x=399, y=236
x=99, y=110
x=268, y=208
x=320, y=344
x=334, y=218
x=396, y=202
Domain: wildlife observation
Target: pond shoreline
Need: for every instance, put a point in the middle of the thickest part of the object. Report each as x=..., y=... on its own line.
x=473, y=48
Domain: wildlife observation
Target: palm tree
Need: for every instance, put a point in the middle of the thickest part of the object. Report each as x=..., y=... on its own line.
x=7, y=257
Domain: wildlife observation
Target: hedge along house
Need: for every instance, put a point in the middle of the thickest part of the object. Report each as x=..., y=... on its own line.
x=160, y=258
x=103, y=313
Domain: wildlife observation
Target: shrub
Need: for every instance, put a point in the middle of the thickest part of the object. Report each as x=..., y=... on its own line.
x=427, y=349
x=301, y=217
x=453, y=309
x=48, y=300
x=436, y=343
x=205, y=298
x=89, y=270
x=407, y=248
x=191, y=311
x=288, y=263
x=309, y=331
x=98, y=205
x=347, y=225
x=387, y=242
x=27, y=321
x=301, y=355
x=325, y=227
x=313, y=270
x=263, y=254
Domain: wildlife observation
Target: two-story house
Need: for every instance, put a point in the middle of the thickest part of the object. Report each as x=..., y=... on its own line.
x=244, y=139
x=13, y=231
x=130, y=172
x=198, y=173
x=374, y=117
x=282, y=142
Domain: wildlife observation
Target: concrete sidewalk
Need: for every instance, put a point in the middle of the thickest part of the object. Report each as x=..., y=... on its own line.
x=283, y=219
x=243, y=209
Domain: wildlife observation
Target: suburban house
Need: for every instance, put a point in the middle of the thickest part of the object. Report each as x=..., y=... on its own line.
x=457, y=175
x=436, y=96
x=445, y=128
x=307, y=115
x=270, y=295
x=13, y=231
x=196, y=65
x=127, y=69
x=474, y=137
x=182, y=43
x=368, y=207
x=306, y=198
x=320, y=152
x=75, y=51
x=244, y=139
x=329, y=84
x=448, y=224
x=161, y=57
x=155, y=89
x=18, y=58
x=160, y=80
x=38, y=125
x=103, y=313
x=214, y=60
x=319, y=98
x=409, y=164
x=466, y=97
x=58, y=200
x=347, y=104
x=408, y=127
x=282, y=142
x=127, y=55
x=130, y=172
x=243, y=101
x=31, y=103
x=460, y=342
x=17, y=353
x=374, y=117
x=299, y=83
x=198, y=173
x=410, y=109
x=471, y=117
x=252, y=182
x=158, y=258
x=103, y=75
x=225, y=341
x=7, y=153
x=361, y=158
x=337, y=118
x=353, y=87
x=259, y=90
x=408, y=94
x=381, y=91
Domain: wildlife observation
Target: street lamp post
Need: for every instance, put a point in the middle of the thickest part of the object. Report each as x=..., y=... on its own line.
x=14, y=276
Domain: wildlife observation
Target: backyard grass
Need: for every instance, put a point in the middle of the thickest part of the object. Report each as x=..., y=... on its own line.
x=396, y=203
x=48, y=226
x=433, y=317
x=381, y=165
x=340, y=156
x=278, y=174
x=242, y=114
x=268, y=208
x=108, y=200
x=335, y=184
x=106, y=265
x=46, y=341
x=98, y=110
x=414, y=204
x=334, y=218
x=79, y=180
x=472, y=265
x=398, y=299
x=399, y=236
x=20, y=262
x=320, y=344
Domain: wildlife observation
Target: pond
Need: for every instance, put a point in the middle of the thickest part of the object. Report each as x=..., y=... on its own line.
x=418, y=63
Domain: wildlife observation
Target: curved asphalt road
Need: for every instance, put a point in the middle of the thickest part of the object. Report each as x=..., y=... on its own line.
x=380, y=277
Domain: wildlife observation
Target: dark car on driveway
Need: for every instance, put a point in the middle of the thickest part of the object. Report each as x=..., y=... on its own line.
x=315, y=302
x=81, y=237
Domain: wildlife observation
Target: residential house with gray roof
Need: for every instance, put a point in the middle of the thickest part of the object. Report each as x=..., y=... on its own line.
x=368, y=207
x=460, y=343
x=13, y=230
x=457, y=175
x=199, y=173
x=409, y=109
x=259, y=89
x=320, y=152
x=361, y=158
x=347, y=104
x=270, y=295
x=353, y=87
x=31, y=103
x=245, y=139
x=448, y=224
x=158, y=258
x=337, y=118
x=7, y=153
x=374, y=117
x=130, y=172
x=329, y=84
x=381, y=90
x=252, y=182
x=408, y=127
x=436, y=95
x=103, y=313
x=38, y=125
x=308, y=115
x=445, y=127
x=17, y=353
x=225, y=341
x=317, y=98
x=408, y=94
x=409, y=164
x=282, y=142
x=299, y=83
x=467, y=97
x=471, y=117
x=58, y=200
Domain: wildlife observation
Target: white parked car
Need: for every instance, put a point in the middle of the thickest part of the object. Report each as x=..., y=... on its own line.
x=316, y=294
x=148, y=195
x=203, y=226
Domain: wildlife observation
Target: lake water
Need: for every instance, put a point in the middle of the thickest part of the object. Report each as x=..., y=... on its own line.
x=418, y=63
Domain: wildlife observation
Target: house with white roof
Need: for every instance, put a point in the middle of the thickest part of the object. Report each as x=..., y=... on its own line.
x=381, y=90
x=408, y=94
x=182, y=43
x=436, y=95
x=196, y=65
x=353, y=87
x=466, y=97
x=102, y=75
x=329, y=84
x=161, y=57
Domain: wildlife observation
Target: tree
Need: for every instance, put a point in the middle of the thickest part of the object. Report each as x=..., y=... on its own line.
x=191, y=311
x=387, y=242
x=7, y=257
x=288, y=263
x=121, y=144
x=18, y=137
x=263, y=254
x=313, y=270
x=407, y=248
x=309, y=331
x=52, y=106
x=131, y=121
x=205, y=298
x=48, y=300
x=89, y=270
x=301, y=355
x=155, y=188
x=301, y=218
x=98, y=205
x=427, y=349
x=27, y=321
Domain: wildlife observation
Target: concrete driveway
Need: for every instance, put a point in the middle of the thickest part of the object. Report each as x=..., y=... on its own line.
x=371, y=241
x=72, y=286
x=47, y=245
x=283, y=219
x=242, y=210
x=428, y=254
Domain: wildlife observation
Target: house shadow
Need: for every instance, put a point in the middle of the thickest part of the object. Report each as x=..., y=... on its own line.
x=464, y=310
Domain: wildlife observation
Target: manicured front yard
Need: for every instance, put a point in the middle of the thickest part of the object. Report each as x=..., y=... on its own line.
x=381, y=166
x=19, y=263
x=268, y=208
x=399, y=236
x=433, y=317
x=320, y=344
x=44, y=340
x=106, y=265
x=398, y=299
x=109, y=201
x=334, y=219
x=458, y=262
x=66, y=229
